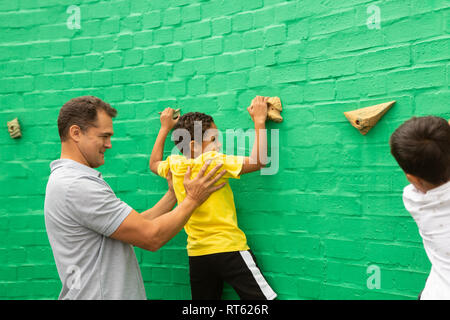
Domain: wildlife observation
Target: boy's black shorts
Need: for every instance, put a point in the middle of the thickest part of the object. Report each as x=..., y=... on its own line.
x=237, y=268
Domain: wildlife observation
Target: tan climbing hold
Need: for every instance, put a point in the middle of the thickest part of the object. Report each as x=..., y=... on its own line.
x=274, y=109
x=366, y=118
x=14, y=128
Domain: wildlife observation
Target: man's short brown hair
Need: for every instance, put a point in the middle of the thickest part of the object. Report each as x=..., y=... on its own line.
x=81, y=111
x=421, y=147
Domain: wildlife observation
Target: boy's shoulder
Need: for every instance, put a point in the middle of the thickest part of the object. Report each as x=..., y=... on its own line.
x=176, y=157
x=208, y=155
x=434, y=199
x=217, y=157
x=178, y=164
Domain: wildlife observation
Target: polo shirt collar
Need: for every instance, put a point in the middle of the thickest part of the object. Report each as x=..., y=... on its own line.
x=69, y=163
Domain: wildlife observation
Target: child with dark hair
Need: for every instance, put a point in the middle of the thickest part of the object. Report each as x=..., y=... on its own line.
x=421, y=147
x=217, y=247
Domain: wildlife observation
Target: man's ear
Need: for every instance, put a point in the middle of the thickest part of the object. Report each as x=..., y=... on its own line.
x=75, y=133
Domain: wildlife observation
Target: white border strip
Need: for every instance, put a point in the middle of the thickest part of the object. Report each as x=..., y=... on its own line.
x=263, y=285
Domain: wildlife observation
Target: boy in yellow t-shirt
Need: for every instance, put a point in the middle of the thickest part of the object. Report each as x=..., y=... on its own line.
x=217, y=248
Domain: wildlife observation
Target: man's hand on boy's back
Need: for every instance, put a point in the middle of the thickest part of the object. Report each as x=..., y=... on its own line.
x=258, y=109
x=166, y=118
x=201, y=187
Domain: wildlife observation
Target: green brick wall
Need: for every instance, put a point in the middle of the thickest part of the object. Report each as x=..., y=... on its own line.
x=334, y=208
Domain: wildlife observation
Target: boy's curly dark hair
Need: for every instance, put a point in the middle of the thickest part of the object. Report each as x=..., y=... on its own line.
x=421, y=147
x=187, y=122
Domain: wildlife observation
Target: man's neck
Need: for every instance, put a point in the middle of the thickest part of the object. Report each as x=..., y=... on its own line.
x=69, y=152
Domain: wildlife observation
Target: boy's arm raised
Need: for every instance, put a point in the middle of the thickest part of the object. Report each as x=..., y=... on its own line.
x=258, y=157
x=167, y=123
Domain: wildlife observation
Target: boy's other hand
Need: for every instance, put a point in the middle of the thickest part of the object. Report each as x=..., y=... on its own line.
x=166, y=118
x=201, y=187
x=258, y=109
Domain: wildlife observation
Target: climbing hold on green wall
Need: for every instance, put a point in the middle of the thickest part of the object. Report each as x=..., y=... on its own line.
x=274, y=109
x=14, y=128
x=366, y=118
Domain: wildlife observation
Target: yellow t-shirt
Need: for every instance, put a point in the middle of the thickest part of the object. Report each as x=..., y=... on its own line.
x=213, y=226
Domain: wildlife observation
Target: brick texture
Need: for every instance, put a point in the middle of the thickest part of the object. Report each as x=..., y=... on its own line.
x=333, y=209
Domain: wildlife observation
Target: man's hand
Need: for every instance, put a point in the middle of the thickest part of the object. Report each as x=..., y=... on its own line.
x=258, y=109
x=201, y=187
x=166, y=118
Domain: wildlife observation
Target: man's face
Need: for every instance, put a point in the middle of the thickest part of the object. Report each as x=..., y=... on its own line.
x=94, y=142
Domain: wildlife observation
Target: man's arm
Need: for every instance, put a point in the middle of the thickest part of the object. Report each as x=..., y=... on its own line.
x=258, y=157
x=153, y=234
x=167, y=123
x=163, y=206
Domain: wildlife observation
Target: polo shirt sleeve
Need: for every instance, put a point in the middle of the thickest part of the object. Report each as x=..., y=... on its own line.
x=94, y=205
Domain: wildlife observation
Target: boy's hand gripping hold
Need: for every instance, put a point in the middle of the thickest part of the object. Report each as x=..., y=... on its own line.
x=258, y=109
x=166, y=118
x=167, y=123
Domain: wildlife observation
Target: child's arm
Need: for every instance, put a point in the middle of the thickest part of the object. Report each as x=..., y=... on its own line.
x=258, y=157
x=167, y=123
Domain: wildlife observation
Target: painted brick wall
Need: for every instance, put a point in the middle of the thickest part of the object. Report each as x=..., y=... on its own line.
x=334, y=209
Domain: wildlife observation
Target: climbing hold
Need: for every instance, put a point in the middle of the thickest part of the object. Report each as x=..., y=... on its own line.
x=366, y=118
x=176, y=113
x=14, y=128
x=274, y=109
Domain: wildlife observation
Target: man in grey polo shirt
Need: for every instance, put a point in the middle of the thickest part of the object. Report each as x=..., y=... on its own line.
x=91, y=231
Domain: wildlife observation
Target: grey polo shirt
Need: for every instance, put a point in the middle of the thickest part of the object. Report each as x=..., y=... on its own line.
x=81, y=212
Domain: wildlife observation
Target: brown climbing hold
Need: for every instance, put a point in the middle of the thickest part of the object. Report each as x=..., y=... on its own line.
x=366, y=118
x=274, y=109
x=14, y=128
